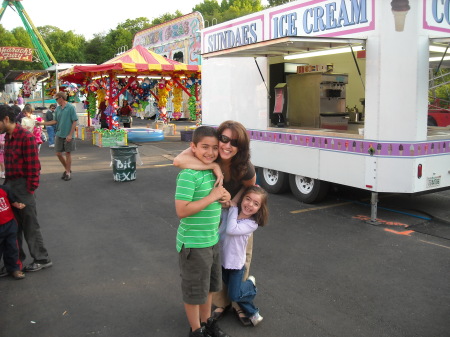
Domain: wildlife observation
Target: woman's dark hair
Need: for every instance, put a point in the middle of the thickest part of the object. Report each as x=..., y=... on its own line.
x=240, y=161
x=262, y=216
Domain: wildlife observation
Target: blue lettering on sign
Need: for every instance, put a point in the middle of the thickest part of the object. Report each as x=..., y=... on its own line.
x=440, y=13
x=241, y=36
x=285, y=25
x=319, y=19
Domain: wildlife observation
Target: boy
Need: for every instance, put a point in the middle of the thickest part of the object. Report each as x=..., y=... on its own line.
x=9, y=247
x=196, y=203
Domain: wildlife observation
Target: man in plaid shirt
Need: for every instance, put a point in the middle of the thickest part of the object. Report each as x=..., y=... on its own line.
x=23, y=168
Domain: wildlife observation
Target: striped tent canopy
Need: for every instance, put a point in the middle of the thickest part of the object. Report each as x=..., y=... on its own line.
x=137, y=61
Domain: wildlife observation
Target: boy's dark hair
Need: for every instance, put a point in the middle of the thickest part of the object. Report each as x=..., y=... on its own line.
x=202, y=132
x=6, y=110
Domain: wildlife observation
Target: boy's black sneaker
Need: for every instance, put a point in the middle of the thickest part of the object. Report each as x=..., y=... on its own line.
x=198, y=333
x=212, y=329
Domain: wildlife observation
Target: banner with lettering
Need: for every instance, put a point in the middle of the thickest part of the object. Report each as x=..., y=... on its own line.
x=16, y=53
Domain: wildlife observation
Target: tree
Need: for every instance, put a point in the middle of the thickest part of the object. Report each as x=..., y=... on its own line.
x=134, y=26
x=96, y=51
x=273, y=3
x=166, y=17
x=66, y=47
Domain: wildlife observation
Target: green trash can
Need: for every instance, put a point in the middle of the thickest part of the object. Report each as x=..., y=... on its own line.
x=123, y=159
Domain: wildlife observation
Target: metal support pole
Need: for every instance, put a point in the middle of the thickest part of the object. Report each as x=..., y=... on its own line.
x=373, y=208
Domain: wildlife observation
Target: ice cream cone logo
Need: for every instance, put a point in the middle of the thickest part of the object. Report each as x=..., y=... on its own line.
x=400, y=8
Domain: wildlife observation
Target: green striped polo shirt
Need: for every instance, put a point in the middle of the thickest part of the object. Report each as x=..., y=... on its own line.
x=199, y=230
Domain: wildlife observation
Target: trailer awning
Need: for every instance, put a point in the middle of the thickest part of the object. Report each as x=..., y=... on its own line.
x=285, y=46
x=440, y=52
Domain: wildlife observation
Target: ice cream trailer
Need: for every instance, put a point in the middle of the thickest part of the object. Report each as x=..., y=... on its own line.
x=364, y=63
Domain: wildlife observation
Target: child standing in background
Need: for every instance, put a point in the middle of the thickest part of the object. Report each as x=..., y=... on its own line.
x=238, y=223
x=2, y=157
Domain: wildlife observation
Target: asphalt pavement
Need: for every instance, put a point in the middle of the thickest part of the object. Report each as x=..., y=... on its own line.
x=321, y=270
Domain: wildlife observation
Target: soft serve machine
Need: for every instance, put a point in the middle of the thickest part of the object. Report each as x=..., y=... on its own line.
x=317, y=100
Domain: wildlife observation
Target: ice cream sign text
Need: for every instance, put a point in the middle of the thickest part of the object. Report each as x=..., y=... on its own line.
x=240, y=33
x=302, y=18
x=437, y=15
x=322, y=18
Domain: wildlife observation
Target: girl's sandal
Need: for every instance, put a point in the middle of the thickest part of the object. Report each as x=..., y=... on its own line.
x=242, y=317
x=219, y=312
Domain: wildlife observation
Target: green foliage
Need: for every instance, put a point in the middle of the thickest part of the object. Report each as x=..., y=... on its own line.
x=441, y=92
x=273, y=3
x=213, y=13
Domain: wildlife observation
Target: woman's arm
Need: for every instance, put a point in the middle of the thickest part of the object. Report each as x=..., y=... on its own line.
x=187, y=160
x=245, y=184
x=243, y=227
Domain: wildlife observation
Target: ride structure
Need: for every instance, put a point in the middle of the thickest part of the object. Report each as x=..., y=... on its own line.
x=44, y=54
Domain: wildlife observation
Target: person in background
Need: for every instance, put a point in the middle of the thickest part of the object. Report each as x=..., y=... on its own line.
x=28, y=122
x=22, y=113
x=9, y=247
x=65, y=118
x=102, y=116
x=238, y=223
x=2, y=155
x=50, y=128
x=197, y=206
x=22, y=171
x=16, y=108
x=20, y=100
x=125, y=114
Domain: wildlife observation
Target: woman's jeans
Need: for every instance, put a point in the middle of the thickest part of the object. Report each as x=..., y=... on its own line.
x=51, y=134
x=241, y=292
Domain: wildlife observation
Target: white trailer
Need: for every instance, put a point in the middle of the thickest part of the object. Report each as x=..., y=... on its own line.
x=386, y=146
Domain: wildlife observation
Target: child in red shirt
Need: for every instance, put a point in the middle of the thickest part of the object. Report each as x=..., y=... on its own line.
x=9, y=247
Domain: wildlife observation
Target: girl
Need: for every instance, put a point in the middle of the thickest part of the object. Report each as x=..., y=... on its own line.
x=28, y=122
x=237, y=225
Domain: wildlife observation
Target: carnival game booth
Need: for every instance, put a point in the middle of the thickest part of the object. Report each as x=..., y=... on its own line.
x=139, y=73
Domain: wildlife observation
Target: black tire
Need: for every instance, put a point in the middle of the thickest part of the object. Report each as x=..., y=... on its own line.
x=273, y=181
x=431, y=121
x=308, y=190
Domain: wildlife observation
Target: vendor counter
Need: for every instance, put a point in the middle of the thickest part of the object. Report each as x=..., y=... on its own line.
x=352, y=132
x=356, y=131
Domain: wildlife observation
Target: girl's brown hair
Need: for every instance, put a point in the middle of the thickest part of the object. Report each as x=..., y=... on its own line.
x=262, y=216
x=240, y=161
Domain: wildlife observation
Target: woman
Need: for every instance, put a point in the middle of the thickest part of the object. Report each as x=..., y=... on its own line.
x=234, y=169
x=125, y=114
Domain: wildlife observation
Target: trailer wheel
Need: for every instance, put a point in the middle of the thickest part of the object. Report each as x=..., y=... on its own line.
x=308, y=190
x=431, y=121
x=273, y=181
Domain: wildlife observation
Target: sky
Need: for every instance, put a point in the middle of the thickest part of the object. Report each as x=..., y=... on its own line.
x=88, y=17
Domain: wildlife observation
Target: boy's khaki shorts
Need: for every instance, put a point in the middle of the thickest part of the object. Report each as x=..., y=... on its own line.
x=201, y=273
